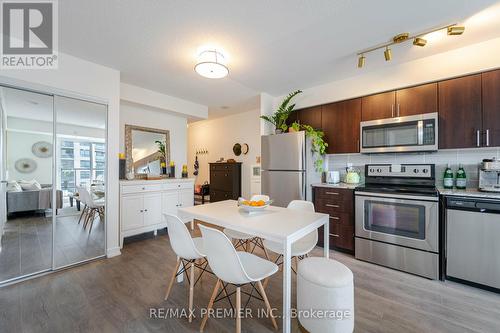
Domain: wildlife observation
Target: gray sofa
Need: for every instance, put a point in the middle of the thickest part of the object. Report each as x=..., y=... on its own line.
x=32, y=200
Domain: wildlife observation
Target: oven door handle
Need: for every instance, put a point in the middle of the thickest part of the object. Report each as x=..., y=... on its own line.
x=397, y=196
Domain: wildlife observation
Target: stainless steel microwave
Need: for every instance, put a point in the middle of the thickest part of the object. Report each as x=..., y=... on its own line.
x=401, y=134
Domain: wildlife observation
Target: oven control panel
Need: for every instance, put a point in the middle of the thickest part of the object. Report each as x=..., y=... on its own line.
x=400, y=170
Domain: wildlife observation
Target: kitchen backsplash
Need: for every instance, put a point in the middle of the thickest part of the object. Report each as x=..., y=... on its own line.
x=470, y=158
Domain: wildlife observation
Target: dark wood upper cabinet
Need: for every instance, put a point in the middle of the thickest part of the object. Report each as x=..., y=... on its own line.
x=417, y=100
x=340, y=122
x=491, y=108
x=378, y=106
x=310, y=116
x=460, y=112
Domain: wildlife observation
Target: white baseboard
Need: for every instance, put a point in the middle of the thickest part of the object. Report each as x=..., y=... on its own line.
x=113, y=252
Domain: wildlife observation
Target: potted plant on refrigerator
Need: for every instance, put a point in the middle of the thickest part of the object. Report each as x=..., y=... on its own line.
x=280, y=116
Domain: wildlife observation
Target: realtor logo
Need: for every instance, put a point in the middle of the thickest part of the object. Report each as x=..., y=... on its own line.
x=29, y=34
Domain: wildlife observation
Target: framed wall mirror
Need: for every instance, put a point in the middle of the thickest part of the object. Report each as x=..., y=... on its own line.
x=146, y=149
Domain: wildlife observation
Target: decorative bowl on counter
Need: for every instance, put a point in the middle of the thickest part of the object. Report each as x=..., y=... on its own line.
x=253, y=206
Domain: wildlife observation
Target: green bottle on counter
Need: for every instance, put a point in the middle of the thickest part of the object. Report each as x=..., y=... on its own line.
x=448, y=177
x=461, y=178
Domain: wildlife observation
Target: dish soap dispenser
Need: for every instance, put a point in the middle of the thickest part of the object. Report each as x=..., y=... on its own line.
x=461, y=178
x=448, y=177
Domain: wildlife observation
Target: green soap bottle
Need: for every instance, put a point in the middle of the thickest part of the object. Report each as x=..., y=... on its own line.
x=461, y=178
x=448, y=177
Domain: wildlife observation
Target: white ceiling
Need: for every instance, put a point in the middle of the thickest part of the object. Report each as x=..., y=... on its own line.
x=272, y=46
x=33, y=106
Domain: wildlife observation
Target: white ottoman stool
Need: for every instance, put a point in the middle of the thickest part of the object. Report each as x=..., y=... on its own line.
x=325, y=296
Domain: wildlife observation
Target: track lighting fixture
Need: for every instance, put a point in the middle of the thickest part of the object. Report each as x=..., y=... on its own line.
x=387, y=54
x=456, y=30
x=361, y=61
x=418, y=40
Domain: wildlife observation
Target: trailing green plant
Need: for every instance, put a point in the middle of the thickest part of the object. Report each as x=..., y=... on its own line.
x=318, y=144
x=280, y=116
x=162, y=149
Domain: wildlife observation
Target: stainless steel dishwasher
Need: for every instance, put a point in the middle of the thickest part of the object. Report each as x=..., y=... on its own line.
x=473, y=241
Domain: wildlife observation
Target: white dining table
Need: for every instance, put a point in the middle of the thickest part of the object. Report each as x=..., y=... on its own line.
x=276, y=224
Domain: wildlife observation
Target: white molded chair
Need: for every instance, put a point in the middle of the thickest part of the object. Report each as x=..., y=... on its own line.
x=244, y=240
x=304, y=245
x=235, y=268
x=91, y=207
x=188, y=251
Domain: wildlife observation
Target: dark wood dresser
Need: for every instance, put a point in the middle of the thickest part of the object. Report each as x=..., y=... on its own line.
x=225, y=181
x=339, y=204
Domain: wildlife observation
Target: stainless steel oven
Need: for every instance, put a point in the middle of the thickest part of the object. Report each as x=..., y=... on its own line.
x=401, y=134
x=410, y=221
x=397, y=218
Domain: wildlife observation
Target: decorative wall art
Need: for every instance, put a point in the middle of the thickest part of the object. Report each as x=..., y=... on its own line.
x=42, y=149
x=25, y=165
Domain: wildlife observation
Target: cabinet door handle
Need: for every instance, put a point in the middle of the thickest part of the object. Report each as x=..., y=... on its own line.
x=398, y=109
x=392, y=110
x=330, y=205
x=478, y=138
x=335, y=217
x=334, y=235
x=332, y=193
x=487, y=138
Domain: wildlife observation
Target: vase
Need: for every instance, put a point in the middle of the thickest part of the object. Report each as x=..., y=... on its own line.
x=278, y=131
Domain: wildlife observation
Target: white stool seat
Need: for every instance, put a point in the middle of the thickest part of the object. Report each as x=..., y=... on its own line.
x=299, y=248
x=233, y=234
x=325, y=284
x=256, y=267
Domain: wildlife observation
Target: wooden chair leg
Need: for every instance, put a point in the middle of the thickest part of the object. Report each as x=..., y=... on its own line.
x=268, y=306
x=174, y=273
x=238, y=310
x=81, y=215
x=210, y=304
x=191, y=291
x=92, y=220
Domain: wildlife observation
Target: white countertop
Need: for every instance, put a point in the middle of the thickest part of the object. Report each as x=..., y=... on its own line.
x=151, y=181
x=470, y=192
x=338, y=185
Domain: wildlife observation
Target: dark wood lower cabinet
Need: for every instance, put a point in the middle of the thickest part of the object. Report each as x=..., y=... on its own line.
x=225, y=181
x=338, y=203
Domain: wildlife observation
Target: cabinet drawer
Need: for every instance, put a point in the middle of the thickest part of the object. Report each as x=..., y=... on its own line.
x=221, y=167
x=221, y=180
x=141, y=188
x=217, y=195
x=177, y=186
x=340, y=237
x=341, y=218
x=331, y=201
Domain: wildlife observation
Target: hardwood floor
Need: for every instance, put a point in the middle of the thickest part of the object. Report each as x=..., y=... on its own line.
x=115, y=295
x=27, y=243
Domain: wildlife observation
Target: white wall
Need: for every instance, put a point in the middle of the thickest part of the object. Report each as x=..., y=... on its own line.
x=142, y=115
x=82, y=79
x=19, y=146
x=218, y=137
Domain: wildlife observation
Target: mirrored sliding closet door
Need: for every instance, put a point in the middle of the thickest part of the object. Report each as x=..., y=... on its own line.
x=80, y=181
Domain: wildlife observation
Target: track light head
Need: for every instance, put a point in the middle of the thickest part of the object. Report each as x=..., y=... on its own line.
x=456, y=30
x=387, y=54
x=361, y=61
x=418, y=41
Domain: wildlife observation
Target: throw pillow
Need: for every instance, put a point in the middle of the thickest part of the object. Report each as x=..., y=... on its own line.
x=13, y=186
x=30, y=185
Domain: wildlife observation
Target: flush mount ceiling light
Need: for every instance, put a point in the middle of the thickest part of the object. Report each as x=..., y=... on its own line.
x=211, y=64
x=418, y=40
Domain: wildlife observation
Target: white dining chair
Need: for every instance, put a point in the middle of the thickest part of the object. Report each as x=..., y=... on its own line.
x=189, y=251
x=237, y=268
x=245, y=241
x=94, y=207
x=301, y=247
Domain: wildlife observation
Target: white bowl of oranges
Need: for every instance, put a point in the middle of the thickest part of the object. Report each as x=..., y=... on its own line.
x=251, y=206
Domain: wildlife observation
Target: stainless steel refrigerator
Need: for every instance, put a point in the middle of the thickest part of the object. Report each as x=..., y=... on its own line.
x=284, y=176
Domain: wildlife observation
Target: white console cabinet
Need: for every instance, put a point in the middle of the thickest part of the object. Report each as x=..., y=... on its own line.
x=143, y=203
